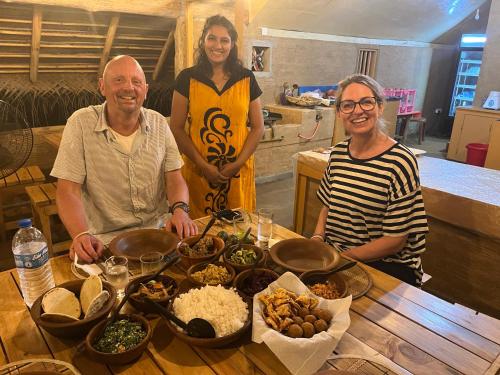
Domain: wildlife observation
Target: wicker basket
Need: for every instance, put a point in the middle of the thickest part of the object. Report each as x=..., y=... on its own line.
x=42, y=366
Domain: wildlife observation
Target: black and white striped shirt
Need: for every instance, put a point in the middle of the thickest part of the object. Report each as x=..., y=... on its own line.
x=371, y=198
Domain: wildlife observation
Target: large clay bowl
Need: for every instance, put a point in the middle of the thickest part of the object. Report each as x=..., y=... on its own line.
x=302, y=255
x=135, y=243
x=77, y=328
x=118, y=358
x=243, y=281
x=188, y=261
x=201, y=266
x=140, y=305
x=242, y=267
x=313, y=277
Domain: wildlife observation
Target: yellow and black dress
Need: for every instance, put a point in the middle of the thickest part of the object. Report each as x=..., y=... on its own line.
x=217, y=125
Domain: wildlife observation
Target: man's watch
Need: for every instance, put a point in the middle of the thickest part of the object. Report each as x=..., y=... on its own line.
x=182, y=205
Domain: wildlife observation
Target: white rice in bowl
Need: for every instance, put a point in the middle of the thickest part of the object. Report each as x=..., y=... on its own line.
x=221, y=307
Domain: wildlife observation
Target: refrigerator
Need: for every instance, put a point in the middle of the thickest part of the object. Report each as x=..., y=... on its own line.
x=469, y=66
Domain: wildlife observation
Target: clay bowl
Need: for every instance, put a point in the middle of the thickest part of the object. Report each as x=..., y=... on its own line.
x=215, y=342
x=140, y=305
x=135, y=243
x=242, y=267
x=243, y=280
x=118, y=358
x=302, y=255
x=78, y=328
x=313, y=277
x=188, y=261
x=201, y=266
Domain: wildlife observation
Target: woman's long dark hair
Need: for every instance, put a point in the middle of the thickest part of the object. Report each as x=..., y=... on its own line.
x=233, y=64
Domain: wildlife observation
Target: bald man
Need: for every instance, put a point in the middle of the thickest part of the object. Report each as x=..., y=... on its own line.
x=117, y=164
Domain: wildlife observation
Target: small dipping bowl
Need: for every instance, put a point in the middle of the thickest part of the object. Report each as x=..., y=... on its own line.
x=140, y=305
x=253, y=281
x=201, y=266
x=242, y=267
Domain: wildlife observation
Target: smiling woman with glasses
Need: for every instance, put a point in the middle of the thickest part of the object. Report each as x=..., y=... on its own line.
x=372, y=204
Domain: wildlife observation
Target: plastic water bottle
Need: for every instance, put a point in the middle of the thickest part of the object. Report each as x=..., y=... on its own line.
x=32, y=261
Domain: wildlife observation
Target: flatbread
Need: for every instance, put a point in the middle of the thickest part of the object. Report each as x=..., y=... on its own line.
x=97, y=304
x=61, y=301
x=91, y=288
x=58, y=318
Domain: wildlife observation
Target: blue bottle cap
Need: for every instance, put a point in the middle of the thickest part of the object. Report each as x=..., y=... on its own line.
x=24, y=223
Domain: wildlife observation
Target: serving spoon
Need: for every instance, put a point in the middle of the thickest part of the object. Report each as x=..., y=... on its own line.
x=196, y=327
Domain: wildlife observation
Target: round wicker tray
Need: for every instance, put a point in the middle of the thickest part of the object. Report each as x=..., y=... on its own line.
x=39, y=366
x=358, y=281
x=357, y=364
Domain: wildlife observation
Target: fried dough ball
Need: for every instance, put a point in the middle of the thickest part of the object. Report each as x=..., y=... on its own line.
x=310, y=318
x=308, y=329
x=298, y=320
x=324, y=314
x=295, y=331
x=303, y=311
x=320, y=325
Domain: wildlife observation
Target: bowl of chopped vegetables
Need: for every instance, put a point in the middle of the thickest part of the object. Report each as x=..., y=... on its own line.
x=243, y=257
x=160, y=290
x=209, y=247
x=210, y=273
x=121, y=342
x=254, y=280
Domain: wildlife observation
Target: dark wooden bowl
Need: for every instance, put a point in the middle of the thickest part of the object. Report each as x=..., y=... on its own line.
x=201, y=266
x=313, y=277
x=242, y=267
x=77, y=328
x=215, y=342
x=140, y=305
x=118, y=358
x=188, y=261
x=303, y=254
x=135, y=243
x=243, y=277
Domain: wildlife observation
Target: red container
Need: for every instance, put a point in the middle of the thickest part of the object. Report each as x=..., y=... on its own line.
x=476, y=154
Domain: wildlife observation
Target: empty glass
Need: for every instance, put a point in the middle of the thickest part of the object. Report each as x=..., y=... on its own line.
x=151, y=262
x=117, y=273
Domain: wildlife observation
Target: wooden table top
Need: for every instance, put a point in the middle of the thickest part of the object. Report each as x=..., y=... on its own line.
x=53, y=135
x=404, y=327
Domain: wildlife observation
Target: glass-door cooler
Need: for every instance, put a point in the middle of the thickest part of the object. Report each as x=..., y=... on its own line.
x=466, y=80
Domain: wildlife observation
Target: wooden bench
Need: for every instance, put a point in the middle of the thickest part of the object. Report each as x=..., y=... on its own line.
x=13, y=196
x=43, y=204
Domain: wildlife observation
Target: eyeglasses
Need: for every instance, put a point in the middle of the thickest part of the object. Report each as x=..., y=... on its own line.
x=366, y=104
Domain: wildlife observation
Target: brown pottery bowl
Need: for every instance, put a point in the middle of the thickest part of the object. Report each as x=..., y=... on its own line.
x=140, y=305
x=77, y=328
x=242, y=280
x=201, y=266
x=188, y=261
x=216, y=342
x=118, y=358
x=135, y=243
x=303, y=254
x=312, y=277
x=242, y=267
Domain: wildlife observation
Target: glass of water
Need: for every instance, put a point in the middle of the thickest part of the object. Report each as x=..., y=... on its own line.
x=117, y=273
x=151, y=262
x=264, y=226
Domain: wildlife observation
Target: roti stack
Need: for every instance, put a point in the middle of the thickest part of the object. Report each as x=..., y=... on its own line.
x=60, y=301
x=91, y=288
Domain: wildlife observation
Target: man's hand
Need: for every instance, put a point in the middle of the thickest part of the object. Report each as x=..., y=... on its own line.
x=87, y=247
x=213, y=175
x=230, y=169
x=182, y=223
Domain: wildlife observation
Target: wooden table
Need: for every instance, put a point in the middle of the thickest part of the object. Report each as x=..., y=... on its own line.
x=53, y=135
x=394, y=322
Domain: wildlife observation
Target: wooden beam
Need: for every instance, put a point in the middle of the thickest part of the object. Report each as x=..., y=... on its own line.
x=35, y=42
x=241, y=23
x=163, y=55
x=189, y=34
x=110, y=37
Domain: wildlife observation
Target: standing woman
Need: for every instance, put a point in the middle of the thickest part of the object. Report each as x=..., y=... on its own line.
x=218, y=96
x=372, y=204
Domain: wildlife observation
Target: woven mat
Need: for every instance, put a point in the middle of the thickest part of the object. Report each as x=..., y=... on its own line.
x=358, y=281
x=42, y=366
x=360, y=365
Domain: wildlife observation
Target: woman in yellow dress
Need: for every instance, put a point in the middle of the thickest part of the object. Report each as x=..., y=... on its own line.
x=218, y=97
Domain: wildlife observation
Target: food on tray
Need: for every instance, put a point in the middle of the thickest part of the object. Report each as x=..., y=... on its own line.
x=294, y=316
x=256, y=282
x=212, y=274
x=243, y=256
x=325, y=290
x=154, y=289
x=204, y=247
x=223, y=308
x=61, y=301
x=91, y=288
x=120, y=336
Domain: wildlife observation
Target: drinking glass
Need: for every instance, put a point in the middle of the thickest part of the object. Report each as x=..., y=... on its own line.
x=151, y=262
x=117, y=273
x=264, y=225
x=240, y=225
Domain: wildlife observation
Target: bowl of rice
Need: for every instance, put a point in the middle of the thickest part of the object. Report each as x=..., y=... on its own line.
x=209, y=247
x=223, y=307
x=208, y=273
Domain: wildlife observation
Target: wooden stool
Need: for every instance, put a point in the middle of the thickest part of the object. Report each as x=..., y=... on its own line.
x=11, y=188
x=43, y=204
x=420, y=121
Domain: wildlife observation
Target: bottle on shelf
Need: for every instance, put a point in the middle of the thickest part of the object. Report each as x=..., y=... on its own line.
x=31, y=255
